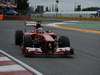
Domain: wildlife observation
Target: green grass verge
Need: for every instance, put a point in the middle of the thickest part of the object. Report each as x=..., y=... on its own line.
x=83, y=26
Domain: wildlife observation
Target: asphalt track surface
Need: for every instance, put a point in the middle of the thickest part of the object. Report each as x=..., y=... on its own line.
x=86, y=60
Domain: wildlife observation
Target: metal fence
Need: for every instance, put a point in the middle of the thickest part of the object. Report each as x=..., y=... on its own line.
x=67, y=14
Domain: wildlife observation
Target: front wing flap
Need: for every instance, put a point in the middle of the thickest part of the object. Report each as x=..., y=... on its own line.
x=38, y=51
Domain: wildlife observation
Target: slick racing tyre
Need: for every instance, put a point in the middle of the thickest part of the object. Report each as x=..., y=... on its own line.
x=72, y=51
x=18, y=37
x=63, y=42
x=28, y=41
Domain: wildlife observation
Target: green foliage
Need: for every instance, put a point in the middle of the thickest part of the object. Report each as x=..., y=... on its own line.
x=78, y=8
x=91, y=9
x=22, y=4
x=47, y=9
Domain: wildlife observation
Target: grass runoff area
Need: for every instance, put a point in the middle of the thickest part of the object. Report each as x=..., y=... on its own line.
x=78, y=26
x=93, y=28
x=83, y=26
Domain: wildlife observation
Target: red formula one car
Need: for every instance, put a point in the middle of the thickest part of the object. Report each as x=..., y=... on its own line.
x=41, y=42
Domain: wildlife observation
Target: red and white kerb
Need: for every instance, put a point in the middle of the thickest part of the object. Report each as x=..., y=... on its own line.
x=9, y=67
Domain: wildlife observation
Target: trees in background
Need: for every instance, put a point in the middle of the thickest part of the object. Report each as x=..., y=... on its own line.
x=78, y=8
x=22, y=4
x=47, y=9
x=91, y=9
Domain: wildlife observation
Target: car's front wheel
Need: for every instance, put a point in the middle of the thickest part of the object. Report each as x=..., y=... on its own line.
x=63, y=41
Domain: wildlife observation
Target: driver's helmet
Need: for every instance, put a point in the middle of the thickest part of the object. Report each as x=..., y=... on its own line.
x=39, y=29
x=38, y=25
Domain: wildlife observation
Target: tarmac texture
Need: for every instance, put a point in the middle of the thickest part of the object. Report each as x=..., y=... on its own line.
x=86, y=60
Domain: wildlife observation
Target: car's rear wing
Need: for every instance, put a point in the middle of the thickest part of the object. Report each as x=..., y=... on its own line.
x=30, y=23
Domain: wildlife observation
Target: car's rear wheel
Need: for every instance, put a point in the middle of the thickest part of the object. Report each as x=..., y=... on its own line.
x=18, y=37
x=72, y=51
x=63, y=41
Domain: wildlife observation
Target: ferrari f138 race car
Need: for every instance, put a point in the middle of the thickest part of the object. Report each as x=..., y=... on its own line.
x=41, y=42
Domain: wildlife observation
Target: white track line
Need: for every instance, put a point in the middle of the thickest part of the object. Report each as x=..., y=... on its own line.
x=11, y=68
x=22, y=64
x=57, y=23
x=72, y=21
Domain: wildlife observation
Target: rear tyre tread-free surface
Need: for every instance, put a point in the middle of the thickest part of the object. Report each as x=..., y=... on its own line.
x=18, y=37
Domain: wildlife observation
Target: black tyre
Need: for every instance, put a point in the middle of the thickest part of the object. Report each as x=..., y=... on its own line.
x=63, y=42
x=72, y=51
x=18, y=37
x=26, y=55
x=28, y=41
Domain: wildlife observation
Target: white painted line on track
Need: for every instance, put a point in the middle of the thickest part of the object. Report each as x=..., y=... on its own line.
x=11, y=68
x=58, y=23
x=72, y=21
x=22, y=64
x=4, y=59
